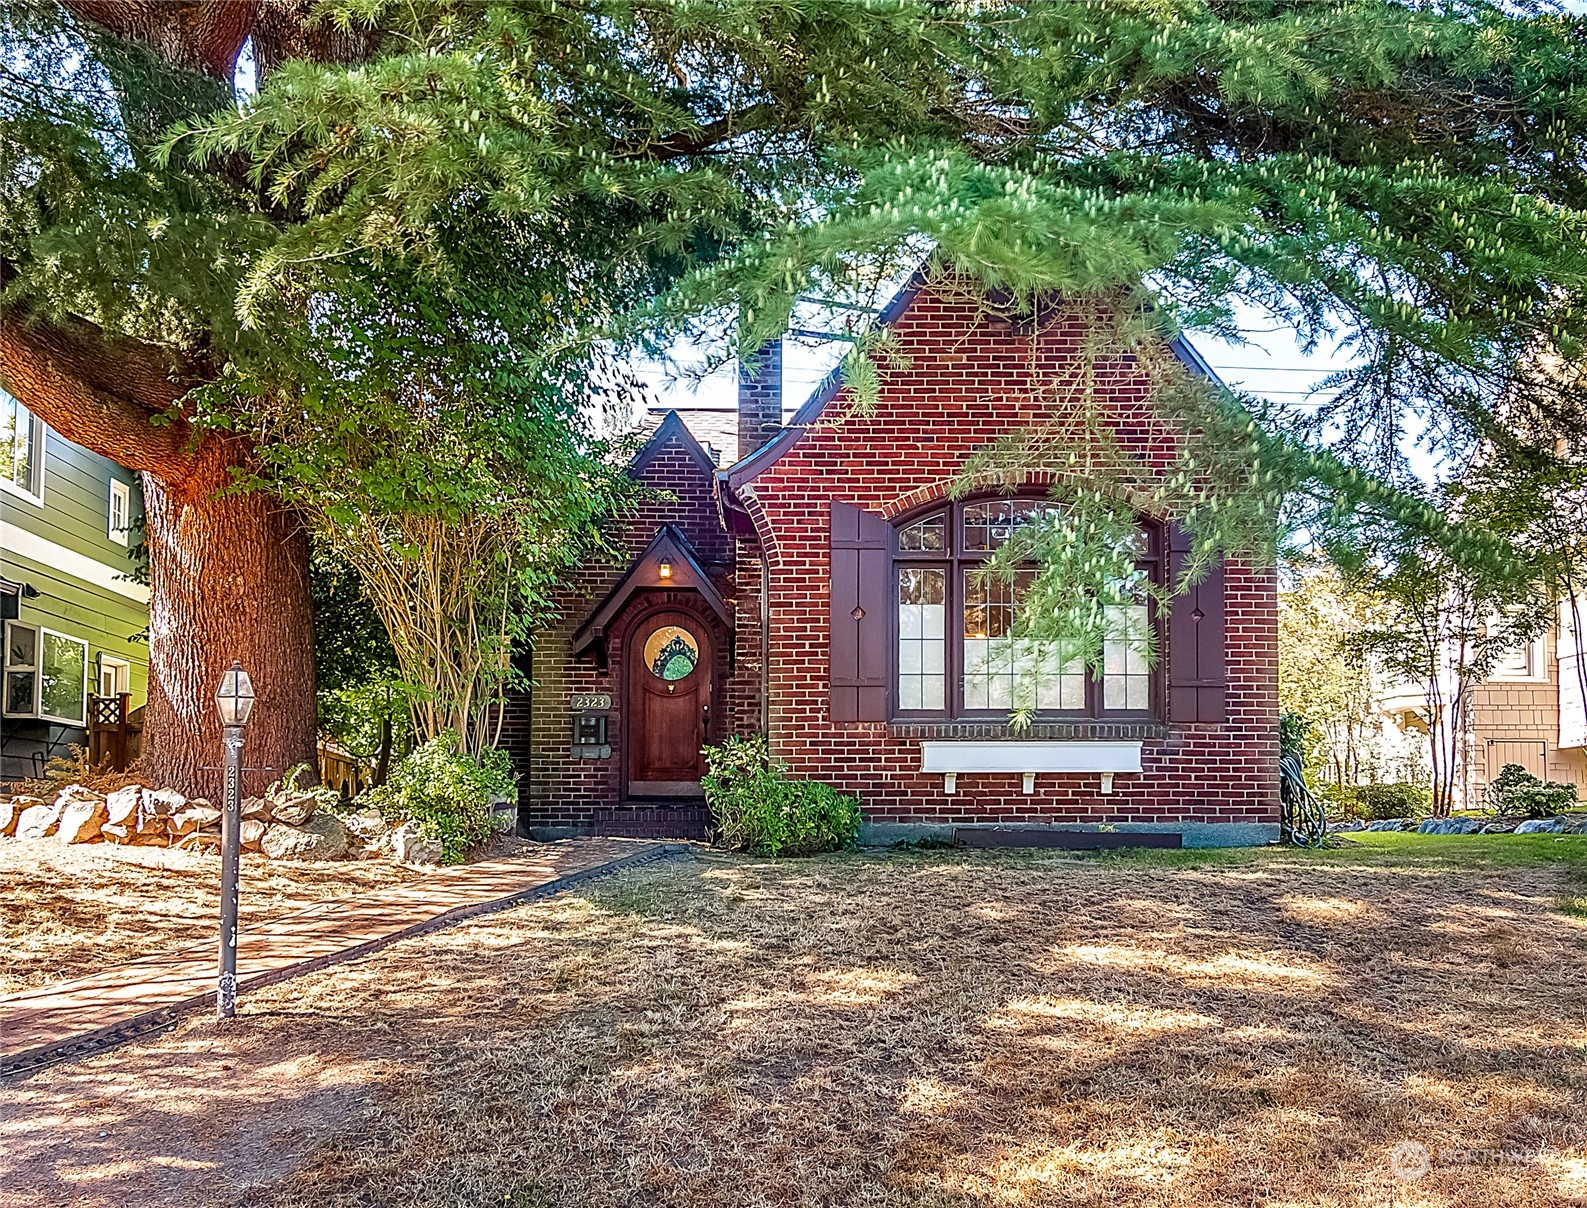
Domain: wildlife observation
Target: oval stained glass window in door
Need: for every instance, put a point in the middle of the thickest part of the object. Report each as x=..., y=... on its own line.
x=671, y=653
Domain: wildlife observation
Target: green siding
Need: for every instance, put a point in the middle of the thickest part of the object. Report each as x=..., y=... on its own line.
x=108, y=622
x=76, y=515
x=76, y=510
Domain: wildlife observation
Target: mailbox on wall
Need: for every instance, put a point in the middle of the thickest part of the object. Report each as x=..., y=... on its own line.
x=589, y=730
x=590, y=715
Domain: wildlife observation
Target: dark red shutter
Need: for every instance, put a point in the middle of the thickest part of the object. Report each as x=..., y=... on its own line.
x=860, y=596
x=1197, y=631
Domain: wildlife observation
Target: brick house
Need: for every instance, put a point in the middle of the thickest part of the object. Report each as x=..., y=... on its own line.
x=819, y=588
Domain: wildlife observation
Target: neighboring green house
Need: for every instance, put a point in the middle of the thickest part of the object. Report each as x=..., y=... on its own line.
x=75, y=621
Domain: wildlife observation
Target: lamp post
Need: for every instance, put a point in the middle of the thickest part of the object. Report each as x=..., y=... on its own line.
x=234, y=699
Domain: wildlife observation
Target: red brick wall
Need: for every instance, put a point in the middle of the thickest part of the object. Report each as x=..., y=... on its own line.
x=967, y=380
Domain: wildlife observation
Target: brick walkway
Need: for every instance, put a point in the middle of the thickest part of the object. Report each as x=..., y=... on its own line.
x=80, y=1016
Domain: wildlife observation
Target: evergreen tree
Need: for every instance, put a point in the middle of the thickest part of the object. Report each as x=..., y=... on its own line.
x=509, y=180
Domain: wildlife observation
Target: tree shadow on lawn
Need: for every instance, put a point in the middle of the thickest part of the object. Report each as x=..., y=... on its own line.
x=925, y=1029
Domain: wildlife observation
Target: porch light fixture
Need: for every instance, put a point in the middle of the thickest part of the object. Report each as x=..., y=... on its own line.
x=234, y=699
x=665, y=570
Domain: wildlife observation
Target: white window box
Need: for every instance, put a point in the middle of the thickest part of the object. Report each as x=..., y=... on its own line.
x=1029, y=759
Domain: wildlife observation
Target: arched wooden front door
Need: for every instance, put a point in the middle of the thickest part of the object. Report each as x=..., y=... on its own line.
x=669, y=669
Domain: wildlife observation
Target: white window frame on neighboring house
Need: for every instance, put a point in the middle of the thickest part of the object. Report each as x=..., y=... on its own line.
x=120, y=671
x=1536, y=660
x=41, y=635
x=18, y=416
x=16, y=666
x=120, y=498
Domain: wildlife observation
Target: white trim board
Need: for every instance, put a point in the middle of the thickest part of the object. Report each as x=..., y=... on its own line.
x=20, y=541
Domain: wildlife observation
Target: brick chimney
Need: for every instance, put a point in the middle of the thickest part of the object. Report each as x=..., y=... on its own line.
x=759, y=397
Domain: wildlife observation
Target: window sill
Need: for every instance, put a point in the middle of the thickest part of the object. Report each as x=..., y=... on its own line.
x=1089, y=728
x=10, y=488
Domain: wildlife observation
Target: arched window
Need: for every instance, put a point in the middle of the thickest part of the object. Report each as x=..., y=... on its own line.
x=956, y=654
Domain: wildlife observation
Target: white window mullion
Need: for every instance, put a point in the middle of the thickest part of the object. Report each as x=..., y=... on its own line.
x=120, y=511
x=21, y=686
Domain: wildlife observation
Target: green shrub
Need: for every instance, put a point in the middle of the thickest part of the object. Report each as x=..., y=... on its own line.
x=1517, y=793
x=1293, y=732
x=288, y=788
x=447, y=792
x=758, y=807
x=1376, y=802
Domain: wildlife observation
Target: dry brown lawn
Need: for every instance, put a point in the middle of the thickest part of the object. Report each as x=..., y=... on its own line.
x=70, y=911
x=925, y=1029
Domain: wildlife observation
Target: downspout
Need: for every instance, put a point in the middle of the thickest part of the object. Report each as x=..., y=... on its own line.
x=765, y=647
x=526, y=799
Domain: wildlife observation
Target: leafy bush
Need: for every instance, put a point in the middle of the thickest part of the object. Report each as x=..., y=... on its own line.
x=1377, y=802
x=288, y=788
x=1293, y=731
x=1518, y=793
x=758, y=807
x=447, y=792
x=76, y=768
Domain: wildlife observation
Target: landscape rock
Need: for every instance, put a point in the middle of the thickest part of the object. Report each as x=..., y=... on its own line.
x=294, y=810
x=368, y=825
x=123, y=803
x=10, y=811
x=38, y=821
x=146, y=830
x=1344, y=827
x=1449, y=826
x=1498, y=828
x=194, y=817
x=1576, y=826
x=76, y=792
x=412, y=847
x=322, y=837
x=1391, y=824
x=256, y=807
x=252, y=834
x=1541, y=826
x=163, y=801
x=81, y=819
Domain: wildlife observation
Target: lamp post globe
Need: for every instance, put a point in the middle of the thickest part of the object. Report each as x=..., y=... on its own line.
x=235, y=696
x=234, y=699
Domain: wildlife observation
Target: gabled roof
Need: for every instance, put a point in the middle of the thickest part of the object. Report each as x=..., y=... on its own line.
x=716, y=428
x=763, y=458
x=671, y=428
x=668, y=546
x=749, y=467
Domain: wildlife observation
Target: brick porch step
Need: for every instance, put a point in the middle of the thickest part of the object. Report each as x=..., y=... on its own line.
x=659, y=822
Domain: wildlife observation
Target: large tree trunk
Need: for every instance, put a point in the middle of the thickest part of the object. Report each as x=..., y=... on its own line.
x=229, y=579
x=229, y=573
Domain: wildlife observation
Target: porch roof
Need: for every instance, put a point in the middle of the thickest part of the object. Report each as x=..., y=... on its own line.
x=671, y=548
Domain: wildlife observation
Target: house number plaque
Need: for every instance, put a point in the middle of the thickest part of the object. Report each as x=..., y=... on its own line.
x=590, y=700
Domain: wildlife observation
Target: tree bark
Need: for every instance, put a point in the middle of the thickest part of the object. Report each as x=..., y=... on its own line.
x=229, y=580
x=229, y=573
